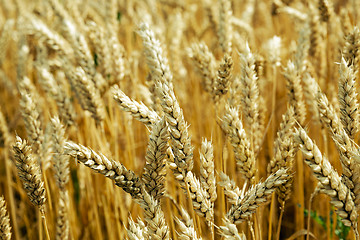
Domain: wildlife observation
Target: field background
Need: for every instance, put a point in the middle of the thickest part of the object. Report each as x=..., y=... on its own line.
x=97, y=209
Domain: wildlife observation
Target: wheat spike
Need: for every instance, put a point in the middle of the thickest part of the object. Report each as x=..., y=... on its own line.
x=284, y=153
x=5, y=229
x=205, y=64
x=207, y=170
x=250, y=95
x=154, y=170
x=231, y=191
x=230, y=232
x=62, y=220
x=126, y=179
x=255, y=197
x=88, y=94
x=330, y=180
x=352, y=48
x=138, y=110
x=349, y=114
x=245, y=158
x=31, y=116
x=225, y=26
x=135, y=231
x=295, y=92
x=179, y=135
x=198, y=195
x=154, y=216
x=224, y=76
x=29, y=172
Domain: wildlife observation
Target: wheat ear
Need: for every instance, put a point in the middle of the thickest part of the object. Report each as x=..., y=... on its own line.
x=31, y=116
x=135, y=231
x=295, y=92
x=5, y=229
x=62, y=172
x=352, y=48
x=250, y=96
x=51, y=38
x=89, y=97
x=255, y=197
x=205, y=64
x=349, y=106
x=50, y=85
x=231, y=191
x=230, y=232
x=342, y=141
x=179, y=135
x=186, y=232
x=285, y=150
x=224, y=76
x=154, y=216
x=126, y=179
x=198, y=195
x=29, y=172
x=245, y=158
x=154, y=170
x=225, y=26
x=331, y=182
x=137, y=109
x=207, y=170
x=326, y=10
x=157, y=62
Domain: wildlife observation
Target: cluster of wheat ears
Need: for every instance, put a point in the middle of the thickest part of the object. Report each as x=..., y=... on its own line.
x=165, y=119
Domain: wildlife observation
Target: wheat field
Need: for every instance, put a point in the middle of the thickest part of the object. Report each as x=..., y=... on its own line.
x=164, y=119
